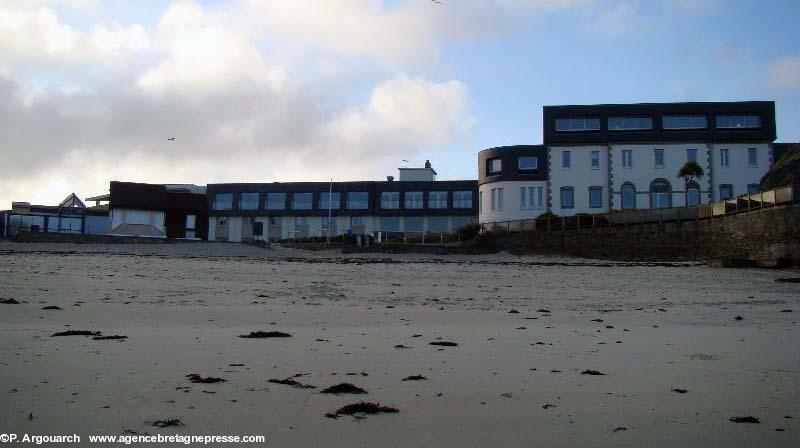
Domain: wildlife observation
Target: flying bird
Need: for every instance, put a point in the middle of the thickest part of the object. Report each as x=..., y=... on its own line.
x=437, y=2
x=171, y=138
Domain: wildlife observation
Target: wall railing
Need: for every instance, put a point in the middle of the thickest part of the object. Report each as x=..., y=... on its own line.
x=615, y=218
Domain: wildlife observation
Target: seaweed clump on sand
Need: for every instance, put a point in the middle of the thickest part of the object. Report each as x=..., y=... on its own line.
x=265, y=334
x=362, y=408
x=168, y=422
x=414, y=378
x=343, y=388
x=745, y=419
x=9, y=301
x=592, y=372
x=77, y=333
x=291, y=382
x=195, y=378
x=108, y=338
x=444, y=343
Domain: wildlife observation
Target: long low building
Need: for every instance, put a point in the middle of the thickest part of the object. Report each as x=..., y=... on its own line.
x=70, y=216
x=415, y=204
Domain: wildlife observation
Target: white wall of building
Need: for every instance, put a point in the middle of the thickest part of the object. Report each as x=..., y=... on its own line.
x=130, y=222
x=643, y=171
x=512, y=207
x=738, y=172
x=580, y=176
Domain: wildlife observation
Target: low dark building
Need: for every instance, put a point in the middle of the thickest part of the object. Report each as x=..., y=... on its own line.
x=158, y=211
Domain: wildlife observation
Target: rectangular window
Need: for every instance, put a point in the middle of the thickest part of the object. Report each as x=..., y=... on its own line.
x=691, y=155
x=462, y=199
x=567, y=197
x=438, y=224
x=390, y=223
x=437, y=199
x=752, y=188
x=357, y=200
x=723, y=156
x=577, y=124
x=658, y=155
x=495, y=166
x=684, y=122
x=528, y=163
x=413, y=199
x=494, y=199
x=413, y=224
x=566, y=159
x=302, y=201
x=738, y=121
x=248, y=201
x=725, y=192
x=595, y=197
x=752, y=156
x=627, y=158
x=357, y=221
x=390, y=200
x=329, y=200
x=480, y=202
x=276, y=201
x=531, y=198
x=300, y=221
x=223, y=201
x=629, y=123
x=500, y=199
x=461, y=221
x=595, y=160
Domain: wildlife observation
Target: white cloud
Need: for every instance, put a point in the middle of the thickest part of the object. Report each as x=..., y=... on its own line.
x=785, y=74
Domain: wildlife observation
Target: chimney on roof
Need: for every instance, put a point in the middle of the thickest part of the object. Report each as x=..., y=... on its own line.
x=390, y=178
x=427, y=164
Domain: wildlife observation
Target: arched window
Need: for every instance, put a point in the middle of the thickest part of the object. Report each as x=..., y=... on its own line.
x=628, y=196
x=660, y=194
x=692, y=194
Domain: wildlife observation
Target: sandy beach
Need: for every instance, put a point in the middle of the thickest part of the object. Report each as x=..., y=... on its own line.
x=527, y=330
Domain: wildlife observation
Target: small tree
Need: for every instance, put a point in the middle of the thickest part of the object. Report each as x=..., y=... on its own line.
x=690, y=171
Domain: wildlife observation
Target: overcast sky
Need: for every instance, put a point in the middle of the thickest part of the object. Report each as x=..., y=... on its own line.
x=291, y=90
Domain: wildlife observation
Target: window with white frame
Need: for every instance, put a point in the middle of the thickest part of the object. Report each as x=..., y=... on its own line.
x=329, y=200
x=752, y=157
x=437, y=199
x=495, y=165
x=577, y=124
x=660, y=194
x=567, y=197
x=738, y=121
x=223, y=201
x=684, y=122
x=628, y=196
x=658, y=156
x=531, y=198
x=462, y=199
x=595, y=155
x=723, y=157
x=276, y=201
x=413, y=200
x=248, y=201
x=595, y=197
x=528, y=163
x=629, y=123
x=500, y=199
x=390, y=200
x=627, y=158
x=302, y=201
x=358, y=200
x=692, y=194
x=566, y=159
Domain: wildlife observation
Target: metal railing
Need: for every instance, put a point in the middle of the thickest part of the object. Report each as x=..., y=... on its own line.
x=744, y=203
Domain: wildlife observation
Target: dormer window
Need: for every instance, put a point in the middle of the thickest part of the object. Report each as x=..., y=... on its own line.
x=528, y=163
x=495, y=166
x=577, y=124
x=629, y=123
x=738, y=121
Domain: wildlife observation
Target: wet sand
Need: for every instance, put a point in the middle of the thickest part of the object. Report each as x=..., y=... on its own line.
x=514, y=378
